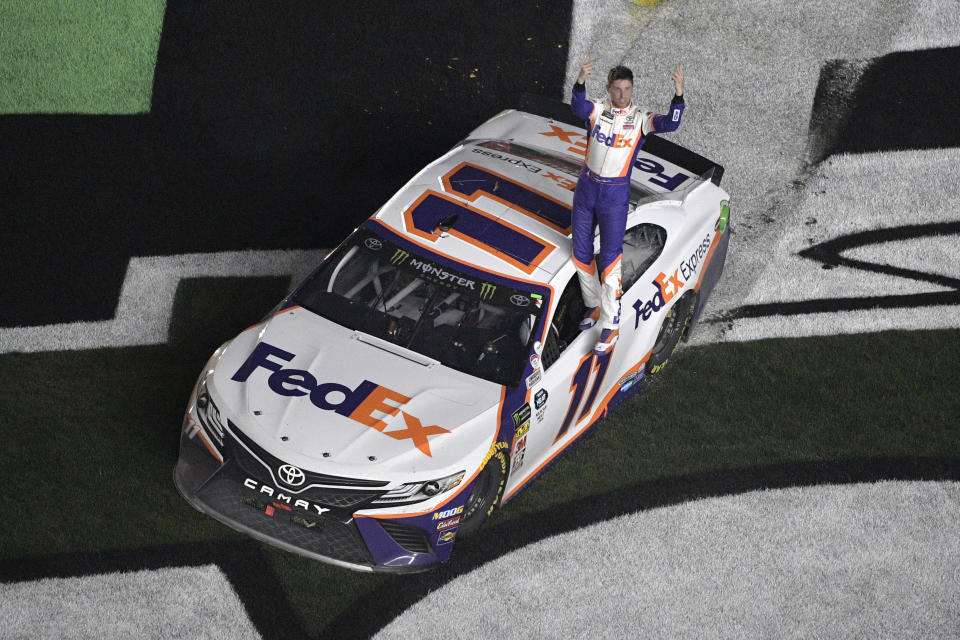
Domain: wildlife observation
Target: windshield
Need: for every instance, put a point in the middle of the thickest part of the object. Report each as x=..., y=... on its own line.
x=476, y=326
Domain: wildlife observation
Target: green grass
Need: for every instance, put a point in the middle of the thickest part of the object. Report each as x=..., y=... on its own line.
x=93, y=56
x=90, y=438
x=883, y=395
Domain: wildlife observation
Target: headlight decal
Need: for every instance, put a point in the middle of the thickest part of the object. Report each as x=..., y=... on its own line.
x=209, y=415
x=413, y=492
x=192, y=429
x=203, y=420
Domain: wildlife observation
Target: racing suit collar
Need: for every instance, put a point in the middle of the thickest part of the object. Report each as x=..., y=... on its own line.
x=620, y=112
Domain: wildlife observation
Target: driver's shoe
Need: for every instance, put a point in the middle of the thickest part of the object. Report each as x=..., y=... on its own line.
x=608, y=338
x=590, y=318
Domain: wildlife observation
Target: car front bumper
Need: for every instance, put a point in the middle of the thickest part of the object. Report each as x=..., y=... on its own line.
x=317, y=525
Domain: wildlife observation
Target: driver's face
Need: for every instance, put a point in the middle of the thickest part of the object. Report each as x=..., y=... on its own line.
x=620, y=93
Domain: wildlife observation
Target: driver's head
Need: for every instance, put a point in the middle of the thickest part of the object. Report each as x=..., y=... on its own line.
x=620, y=86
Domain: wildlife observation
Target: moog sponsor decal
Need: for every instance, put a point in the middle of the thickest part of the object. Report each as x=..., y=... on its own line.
x=448, y=513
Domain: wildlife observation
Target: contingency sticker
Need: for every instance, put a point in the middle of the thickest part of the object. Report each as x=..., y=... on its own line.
x=540, y=402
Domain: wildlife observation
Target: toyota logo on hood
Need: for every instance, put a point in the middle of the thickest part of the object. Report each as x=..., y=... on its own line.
x=291, y=476
x=520, y=301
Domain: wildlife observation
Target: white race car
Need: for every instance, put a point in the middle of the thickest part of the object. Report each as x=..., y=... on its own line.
x=432, y=366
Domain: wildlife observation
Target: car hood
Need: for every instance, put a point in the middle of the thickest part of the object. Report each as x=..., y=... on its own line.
x=339, y=402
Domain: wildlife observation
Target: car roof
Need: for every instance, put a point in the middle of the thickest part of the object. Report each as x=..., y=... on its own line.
x=505, y=193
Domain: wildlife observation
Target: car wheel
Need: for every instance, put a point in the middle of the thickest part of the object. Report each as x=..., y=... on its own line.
x=487, y=490
x=675, y=325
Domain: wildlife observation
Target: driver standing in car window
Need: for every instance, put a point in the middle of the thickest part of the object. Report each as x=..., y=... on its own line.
x=615, y=134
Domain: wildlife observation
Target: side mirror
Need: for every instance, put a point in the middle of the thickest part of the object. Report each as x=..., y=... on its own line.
x=538, y=347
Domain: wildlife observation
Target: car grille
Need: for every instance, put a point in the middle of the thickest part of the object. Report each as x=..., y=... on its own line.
x=225, y=495
x=410, y=538
x=257, y=463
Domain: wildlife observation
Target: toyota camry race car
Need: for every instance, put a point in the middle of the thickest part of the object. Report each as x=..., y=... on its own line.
x=432, y=365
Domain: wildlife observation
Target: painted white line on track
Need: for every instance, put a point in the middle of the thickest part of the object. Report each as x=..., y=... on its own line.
x=146, y=299
x=850, y=194
x=848, y=322
x=752, y=69
x=931, y=23
x=187, y=602
x=854, y=561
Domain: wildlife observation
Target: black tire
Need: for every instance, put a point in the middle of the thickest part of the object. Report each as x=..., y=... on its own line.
x=675, y=326
x=487, y=491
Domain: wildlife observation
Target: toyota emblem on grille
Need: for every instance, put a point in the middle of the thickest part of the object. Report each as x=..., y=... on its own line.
x=291, y=475
x=520, y=301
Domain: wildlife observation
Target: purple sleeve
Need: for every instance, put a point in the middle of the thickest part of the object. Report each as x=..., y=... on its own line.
x=669, y=122
x=581, y=107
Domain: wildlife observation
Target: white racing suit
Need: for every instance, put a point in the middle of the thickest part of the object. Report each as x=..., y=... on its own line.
x=602, y=196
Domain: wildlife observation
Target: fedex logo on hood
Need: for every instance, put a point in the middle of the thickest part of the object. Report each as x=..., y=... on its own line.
x=359, y=404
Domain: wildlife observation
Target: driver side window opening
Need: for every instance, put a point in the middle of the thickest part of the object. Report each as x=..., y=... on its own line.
x=564, y=327
x=642, y=245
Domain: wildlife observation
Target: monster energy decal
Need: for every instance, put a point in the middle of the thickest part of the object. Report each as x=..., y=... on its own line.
x=439, y=274
x=487, y=290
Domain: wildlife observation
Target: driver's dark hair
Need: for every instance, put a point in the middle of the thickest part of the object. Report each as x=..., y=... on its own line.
x=619, y=72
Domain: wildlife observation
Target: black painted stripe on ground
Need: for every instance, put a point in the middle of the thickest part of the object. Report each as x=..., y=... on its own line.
x=903, y=100
x=834, y=305
x=829, y=253
x=243, y=562
x=270, y=128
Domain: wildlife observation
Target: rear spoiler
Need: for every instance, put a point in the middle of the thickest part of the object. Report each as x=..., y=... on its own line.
x=655, y=145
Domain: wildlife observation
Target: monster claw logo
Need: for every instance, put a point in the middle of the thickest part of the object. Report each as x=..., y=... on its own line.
x=399, y=256
x=487, y=290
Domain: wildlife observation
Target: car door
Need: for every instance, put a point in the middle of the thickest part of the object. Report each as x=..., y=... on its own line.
x=564, y=400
